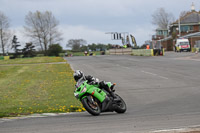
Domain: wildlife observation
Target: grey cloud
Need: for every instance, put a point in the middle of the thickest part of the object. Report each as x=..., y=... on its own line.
x=98, y=15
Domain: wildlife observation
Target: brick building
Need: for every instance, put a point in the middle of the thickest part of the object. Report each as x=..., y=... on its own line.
x=189, y=25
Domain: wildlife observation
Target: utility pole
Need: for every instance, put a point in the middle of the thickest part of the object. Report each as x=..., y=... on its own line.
x=179, y=26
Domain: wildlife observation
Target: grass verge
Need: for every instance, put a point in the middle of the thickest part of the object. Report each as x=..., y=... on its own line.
x=32, y=60
x=41, y=88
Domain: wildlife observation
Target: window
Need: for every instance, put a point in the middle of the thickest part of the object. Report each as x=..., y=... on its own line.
x=162, y=32
x=186, y=28
x=184, y=43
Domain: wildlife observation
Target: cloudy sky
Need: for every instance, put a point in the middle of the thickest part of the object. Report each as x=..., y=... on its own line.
x=91, y=19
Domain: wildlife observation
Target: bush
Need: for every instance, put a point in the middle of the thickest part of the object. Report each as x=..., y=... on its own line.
x=61, y=54
x=54, y=50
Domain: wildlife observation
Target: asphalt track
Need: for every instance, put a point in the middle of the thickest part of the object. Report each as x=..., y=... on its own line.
x=160, y=93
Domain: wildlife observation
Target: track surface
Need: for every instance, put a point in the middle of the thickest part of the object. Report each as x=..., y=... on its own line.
x=160, y=93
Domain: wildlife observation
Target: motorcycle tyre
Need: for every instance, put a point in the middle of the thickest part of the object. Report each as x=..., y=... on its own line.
x=84, y=101
x=120, y=109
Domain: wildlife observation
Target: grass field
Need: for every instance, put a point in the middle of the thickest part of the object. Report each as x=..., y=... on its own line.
x=38, y=88
x=32, y=60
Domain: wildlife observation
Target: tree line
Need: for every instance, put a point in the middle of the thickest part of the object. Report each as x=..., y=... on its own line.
x=79, y=45
x=42, y=30
x=40, y=27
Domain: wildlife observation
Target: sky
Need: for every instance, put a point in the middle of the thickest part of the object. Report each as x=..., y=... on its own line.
x=91, y=19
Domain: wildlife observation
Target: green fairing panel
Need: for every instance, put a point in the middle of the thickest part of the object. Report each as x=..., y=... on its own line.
x=96, y=92
x=109, y=84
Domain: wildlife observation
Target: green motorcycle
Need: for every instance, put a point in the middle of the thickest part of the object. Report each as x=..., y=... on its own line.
x=96, y=100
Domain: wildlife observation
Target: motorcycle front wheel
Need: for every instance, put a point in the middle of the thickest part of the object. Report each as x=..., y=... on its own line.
x=92, y=107
x=121, y=105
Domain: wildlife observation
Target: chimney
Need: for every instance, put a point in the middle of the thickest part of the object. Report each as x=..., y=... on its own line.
x=192, y=7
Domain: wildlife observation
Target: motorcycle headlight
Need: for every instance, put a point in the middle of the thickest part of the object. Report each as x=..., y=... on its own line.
x=84, y=90
x=76, y=95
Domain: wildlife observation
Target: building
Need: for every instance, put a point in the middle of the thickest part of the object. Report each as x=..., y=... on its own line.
x=160, y=34
x=189, y=25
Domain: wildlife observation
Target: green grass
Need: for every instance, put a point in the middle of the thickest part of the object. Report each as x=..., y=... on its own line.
x=41, y=88
x=32, y=60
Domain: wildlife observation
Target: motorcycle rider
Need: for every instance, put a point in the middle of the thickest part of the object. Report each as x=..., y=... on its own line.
x=78, y=75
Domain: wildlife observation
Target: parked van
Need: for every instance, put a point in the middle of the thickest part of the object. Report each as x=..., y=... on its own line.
x=182, y=45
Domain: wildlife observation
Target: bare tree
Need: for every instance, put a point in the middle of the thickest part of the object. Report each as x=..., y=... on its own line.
x=183, y=13
x=42, y=28
x=76, y=44
x=5, y=34
x=162, y=19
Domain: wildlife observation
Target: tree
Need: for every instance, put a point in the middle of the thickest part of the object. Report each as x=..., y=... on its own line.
x=143, y=46
x=101, y=47
x=162, y=19
x=92, y=47
x=76, y=44
x=42, y=28
x=15, y=45
x=28, y=50
x=54, y=50
x=183, y=13
x=5, y=33
x=84, y=48
x=109, y=46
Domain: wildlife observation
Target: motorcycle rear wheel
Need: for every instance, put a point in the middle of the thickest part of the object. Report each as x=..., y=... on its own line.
x=92, y=108
x=121, y=105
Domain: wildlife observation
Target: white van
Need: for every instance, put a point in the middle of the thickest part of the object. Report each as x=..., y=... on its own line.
x=182, y=44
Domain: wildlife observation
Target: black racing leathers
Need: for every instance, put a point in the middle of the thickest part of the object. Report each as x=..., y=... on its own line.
x=102, y=84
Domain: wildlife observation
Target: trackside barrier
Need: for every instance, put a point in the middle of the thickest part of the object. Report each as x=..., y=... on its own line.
x=136, y=52
x=4, y=57
x=107, y=52
x=1, y=58
x=122, y=51
x=195, y=50
x=142, y=52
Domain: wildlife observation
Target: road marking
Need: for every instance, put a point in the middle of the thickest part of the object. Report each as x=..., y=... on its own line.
x=127, y=67
x=154, y=74
x=195, y=59
x=133, y=60
x=178, y=130
x=186, y=58
x=6, y=119
x=72, y=67
x=163, y=77
x=149, y=73
x=169, y=130
x=123, y=66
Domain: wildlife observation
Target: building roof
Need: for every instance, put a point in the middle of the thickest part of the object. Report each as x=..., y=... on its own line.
x=192, y=17
x=196, y=34
x=165, y=39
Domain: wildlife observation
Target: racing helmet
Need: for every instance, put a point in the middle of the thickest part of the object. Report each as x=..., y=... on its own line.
x=77, y=75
